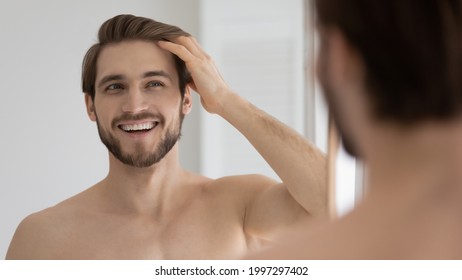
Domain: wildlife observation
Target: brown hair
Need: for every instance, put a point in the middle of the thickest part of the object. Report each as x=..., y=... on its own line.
x=124, y=28
x=412, y=52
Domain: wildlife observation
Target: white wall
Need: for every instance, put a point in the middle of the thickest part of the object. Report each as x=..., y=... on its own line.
x=258, y=47
x=49, y=149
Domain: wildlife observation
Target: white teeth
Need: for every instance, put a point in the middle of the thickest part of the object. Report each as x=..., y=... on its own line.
x=134, y=127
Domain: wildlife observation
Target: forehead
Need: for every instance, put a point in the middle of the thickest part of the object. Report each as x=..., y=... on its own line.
x=133, y=58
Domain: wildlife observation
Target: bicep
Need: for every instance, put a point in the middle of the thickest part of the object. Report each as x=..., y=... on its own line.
x=271, y=211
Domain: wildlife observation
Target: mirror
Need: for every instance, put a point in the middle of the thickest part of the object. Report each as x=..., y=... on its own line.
x=51, y=151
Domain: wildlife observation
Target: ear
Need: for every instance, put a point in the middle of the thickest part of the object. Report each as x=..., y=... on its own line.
x=341, y=71
x=90, y=107
x=344, y=62
x=187, y=101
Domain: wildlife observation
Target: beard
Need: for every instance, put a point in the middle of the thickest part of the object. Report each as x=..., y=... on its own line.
x=142, y=157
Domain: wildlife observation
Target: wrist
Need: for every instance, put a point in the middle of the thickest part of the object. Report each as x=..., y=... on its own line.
x=234, y=108
x=227, y=102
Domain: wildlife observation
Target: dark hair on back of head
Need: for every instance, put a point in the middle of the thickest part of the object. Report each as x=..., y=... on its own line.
x=412, y=52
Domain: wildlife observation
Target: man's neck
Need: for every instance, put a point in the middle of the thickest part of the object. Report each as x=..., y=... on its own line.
x=413, y=196
x=149, y=190
x=424, y=159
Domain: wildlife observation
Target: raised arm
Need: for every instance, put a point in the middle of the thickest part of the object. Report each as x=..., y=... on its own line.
x=300, y=165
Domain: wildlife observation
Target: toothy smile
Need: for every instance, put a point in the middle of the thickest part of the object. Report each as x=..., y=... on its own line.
x=138, y=126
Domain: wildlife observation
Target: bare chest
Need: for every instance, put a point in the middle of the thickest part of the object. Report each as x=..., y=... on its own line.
x=194, y=233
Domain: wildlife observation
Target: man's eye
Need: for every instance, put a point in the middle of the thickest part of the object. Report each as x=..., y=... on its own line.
x=114, y=87
x=154, y=84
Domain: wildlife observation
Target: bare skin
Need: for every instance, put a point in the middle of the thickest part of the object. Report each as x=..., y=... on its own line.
x=163, y=211
x=409, y=213
x=414, y=196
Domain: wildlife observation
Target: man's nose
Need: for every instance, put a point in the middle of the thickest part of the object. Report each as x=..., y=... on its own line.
x=135, y=102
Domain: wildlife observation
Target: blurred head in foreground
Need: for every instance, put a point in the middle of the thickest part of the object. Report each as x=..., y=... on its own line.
x=389, y=64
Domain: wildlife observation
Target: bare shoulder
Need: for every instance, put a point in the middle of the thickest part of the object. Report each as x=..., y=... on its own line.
x=266, y=205
x=240, y=189
x=40, y=235
x=246, y=183
x=33, y=235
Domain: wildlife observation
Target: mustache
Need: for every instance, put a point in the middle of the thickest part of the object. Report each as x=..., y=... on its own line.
x=141, y=116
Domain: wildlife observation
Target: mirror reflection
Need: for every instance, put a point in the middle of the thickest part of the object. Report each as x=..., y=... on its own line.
x=265, y=57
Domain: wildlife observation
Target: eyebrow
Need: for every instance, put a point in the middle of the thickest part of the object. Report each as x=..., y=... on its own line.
x=109, y=78
x=148, y=74
x=157, y=73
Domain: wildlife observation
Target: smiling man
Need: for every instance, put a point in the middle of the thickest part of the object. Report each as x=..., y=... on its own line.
x=148, y=206
x=126, y=120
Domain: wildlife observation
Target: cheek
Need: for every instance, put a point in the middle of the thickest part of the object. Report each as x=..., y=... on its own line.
x=170, y=104
x=174, y=114
x=105, y=112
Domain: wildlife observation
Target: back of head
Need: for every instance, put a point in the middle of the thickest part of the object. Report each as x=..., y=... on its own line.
x=411, y=50
x=125, y=28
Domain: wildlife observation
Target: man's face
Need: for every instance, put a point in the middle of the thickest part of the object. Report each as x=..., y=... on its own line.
x=137, y=106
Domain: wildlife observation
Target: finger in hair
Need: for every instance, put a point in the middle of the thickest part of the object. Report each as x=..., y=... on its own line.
x=179, y=50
